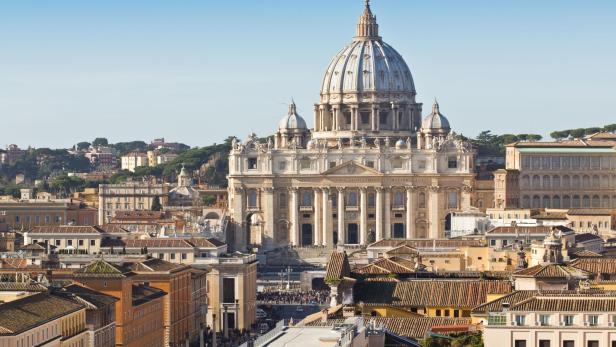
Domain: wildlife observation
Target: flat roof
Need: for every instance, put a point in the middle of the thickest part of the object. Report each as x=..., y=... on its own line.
x=565, y=150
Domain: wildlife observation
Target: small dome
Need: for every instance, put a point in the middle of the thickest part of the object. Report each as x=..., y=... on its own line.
x=435, y=120
x=400, y=144
x=292, y=121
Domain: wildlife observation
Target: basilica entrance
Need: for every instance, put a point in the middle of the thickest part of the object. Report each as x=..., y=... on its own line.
x=352, y=234
x=398, y=231
x=306, y=234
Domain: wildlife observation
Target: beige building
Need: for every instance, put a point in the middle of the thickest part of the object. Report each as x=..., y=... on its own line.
x=24, y=214
x=133, y=160
x=563, y=174
x=128, y=196
x=370, y=168
x=567, y=319
x=231, y=291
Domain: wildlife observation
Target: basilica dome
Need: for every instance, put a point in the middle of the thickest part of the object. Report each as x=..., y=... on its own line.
x=435, y=120
x=292, y=121
x=367, y=64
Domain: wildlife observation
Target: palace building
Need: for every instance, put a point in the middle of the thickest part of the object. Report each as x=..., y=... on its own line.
x=370, y=168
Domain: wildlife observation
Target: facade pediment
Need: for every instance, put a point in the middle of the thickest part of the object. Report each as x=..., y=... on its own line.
x=351, y=168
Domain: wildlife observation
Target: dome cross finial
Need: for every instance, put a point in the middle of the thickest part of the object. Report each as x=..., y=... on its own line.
x=292, y=107
x=367, y=26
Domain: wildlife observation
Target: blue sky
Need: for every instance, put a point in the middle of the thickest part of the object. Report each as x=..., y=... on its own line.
x=198, y=71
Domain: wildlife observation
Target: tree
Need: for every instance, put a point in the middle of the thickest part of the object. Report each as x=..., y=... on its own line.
x=82, y=146
x=610, y=127
x=590, y=131
x=577, y=133
x=66, y=185
x=100, y=141
x=559, y=135
x=534, y=137
x=156, y=206
x=208, y=200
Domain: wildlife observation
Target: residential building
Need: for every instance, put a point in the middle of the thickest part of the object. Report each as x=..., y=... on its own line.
x=172, y=249
x=133, y=160
x=157, y=158
x=81, y=239
x=139, y=310
x=600, y=221
x=370, y=169
x=11, y=155
x=102, y=157
x=128, y=196
x=43, y=320
x=508, y=236
x=578, y=319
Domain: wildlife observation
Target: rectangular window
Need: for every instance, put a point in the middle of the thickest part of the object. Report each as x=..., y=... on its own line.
x=568, y=343
x=184, y=256
x=92, y=242
x=446, y=313
x=252, y=163
x=593, y=343
x=331, y=164
x=593, y=320
x=452, y=200
x=282, y=165
x=519, y=343
x=438, y=313
x=172, y=256
x=452, y=163
x=544, y=320
x=69, y=242
x=568, y=320
x=544, y=343
x=370, y=164
x=57, y=243
x=228, y=290
x=80, y=242
x=520, y=320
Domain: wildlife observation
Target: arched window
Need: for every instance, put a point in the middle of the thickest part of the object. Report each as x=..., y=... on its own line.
x=525, y=181
x=575, y=202
x=452, y=199
x=605, y=201
x=252, y=198
x=422, y=200
x=566, y=181
x=536, y=181
x=306, y=198
x=586, y=181
x=536, y=201
x=546, y=182
x=546, y=202
x=398, y=199
x=605, y=181
x=352, y=198
x=526, y=201
x=566, y=201
x=595, y=181
x=575, y=181
x=555, y=182
x=596, y=202
x=556, y=201
x=586, y=201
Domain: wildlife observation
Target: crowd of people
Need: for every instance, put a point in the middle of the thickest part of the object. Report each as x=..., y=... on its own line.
x=313, y=297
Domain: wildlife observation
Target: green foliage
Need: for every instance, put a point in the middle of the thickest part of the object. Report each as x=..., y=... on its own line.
x=11, y=189
x=83, y=146
x=581, y=132
x=64, y=185
x=100, y=141
x=132, y=146
x=472, y=339
x=488, y=143
x=156, y=206
x=208, y=200
x=44, y=162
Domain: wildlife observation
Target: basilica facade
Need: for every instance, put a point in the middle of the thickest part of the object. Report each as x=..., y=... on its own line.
x=370, y=168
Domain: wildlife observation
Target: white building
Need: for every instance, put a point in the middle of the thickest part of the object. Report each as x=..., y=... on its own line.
x=132, y=160
x=369, y=169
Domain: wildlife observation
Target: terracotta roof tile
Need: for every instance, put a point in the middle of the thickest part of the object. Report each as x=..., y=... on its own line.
x=601, y=265
x=552, y=271
x=338, y=266
x=26, y=313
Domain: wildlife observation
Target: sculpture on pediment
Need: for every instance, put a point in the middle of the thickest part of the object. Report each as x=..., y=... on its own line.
x=362, y=142
x=339, y=143
x=351, y=142
x=269, y=144
x=377, y=143
x=234, y=144
x=408, y=143
x=387, y=142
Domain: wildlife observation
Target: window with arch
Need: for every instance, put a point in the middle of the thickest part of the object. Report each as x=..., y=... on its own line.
x=596, y=201
x=422, y=200
x=586, y=201
x=252, y=198
x=566, y=181
x=525, y=182
x=596, y=183
x=525, y=201
x=536, y=181
x=398, y=199
x=306, y=198
x=452, y=199
x=605, y=201
x=575, y=201
x=555, y=181
x=556, y=201
x=566, y=201
x=605, y=181
x=352, y=198
x=546, y=203
x=546, y=182
x=536, y=201
x=586, y=181
x=575, y=181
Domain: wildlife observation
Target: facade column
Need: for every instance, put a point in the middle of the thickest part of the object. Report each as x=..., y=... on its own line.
x=327, y=230
x=270, y=224
x=387, y=226
x=379, y=214
x=377, y=118
x=467, y=191
x=317, y=218
x=410, y=211
x=433, y=213
x=239, y=200
x=341, y=229
x=294, y=237
x=394, y=115
x=334, y=115
x=363, y=217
